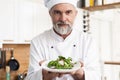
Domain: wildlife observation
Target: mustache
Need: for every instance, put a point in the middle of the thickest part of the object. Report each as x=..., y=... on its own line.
x=62, y=22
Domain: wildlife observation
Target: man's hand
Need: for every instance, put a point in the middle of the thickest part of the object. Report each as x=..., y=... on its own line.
x=49, y=75
x=79, y=74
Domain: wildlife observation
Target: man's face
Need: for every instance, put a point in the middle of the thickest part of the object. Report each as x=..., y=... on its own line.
x=63, y=16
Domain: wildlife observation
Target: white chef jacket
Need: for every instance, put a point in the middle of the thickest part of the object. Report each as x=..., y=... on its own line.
x=78, y=46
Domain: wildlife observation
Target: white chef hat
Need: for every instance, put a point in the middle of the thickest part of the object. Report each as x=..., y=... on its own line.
x=50, y=3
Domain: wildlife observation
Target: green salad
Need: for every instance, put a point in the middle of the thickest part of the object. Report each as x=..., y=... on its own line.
x=61, y=63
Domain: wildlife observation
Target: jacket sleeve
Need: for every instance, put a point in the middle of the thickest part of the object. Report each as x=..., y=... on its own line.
x=34, y=70
x=91, y=61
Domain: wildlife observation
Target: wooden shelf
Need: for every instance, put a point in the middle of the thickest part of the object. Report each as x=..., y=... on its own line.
x=112, y=62
x=103, y=7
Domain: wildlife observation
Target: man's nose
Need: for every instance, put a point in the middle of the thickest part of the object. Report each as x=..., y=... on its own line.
x=63, y=17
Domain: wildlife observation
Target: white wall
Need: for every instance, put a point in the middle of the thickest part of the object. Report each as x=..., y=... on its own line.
x=21, y=20
x=105, y=27
x=116, y=36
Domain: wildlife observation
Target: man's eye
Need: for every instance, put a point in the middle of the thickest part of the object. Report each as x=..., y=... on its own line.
x=68, y=12
x=56, y=12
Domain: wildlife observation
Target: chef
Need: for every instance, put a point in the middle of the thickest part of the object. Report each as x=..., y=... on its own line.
x=64, y=39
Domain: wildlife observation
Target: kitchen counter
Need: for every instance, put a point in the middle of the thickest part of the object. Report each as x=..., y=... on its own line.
x=112, y=62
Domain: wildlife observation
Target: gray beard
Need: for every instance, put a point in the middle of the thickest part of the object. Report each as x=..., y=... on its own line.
x=63, y=30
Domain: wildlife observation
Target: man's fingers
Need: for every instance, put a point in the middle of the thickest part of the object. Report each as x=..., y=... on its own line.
x=81, y=63
x=40, y=63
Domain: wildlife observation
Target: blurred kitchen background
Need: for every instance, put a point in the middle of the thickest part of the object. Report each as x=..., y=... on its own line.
x=21, y=20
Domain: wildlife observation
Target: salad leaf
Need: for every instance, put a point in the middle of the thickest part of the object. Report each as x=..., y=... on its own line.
x=61, y=63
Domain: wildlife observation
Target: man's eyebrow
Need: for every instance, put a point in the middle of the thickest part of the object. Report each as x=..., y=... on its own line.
x=56, y=11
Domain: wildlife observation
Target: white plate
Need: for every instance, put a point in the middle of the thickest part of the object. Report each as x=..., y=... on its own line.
x=76, y=67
